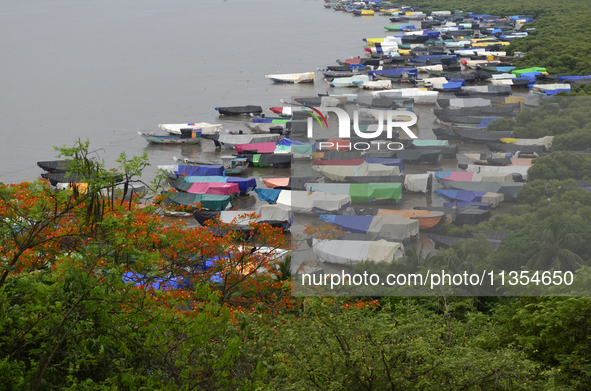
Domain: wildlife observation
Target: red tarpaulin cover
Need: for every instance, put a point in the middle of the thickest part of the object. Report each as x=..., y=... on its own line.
x=259, y=147
x=218, y=188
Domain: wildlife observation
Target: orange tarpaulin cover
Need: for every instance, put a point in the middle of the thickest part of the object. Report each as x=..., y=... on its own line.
x=276, y=182
x=427, y=219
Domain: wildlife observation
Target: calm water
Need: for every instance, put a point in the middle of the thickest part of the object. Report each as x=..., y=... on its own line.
x=104, y=70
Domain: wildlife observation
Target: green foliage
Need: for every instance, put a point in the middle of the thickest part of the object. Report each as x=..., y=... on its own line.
x=546, y=239
x=553, y=331
x=561, y=166
x=403, y=346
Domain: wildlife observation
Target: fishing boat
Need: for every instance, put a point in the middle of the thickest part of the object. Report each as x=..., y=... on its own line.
x=232, y=164
x=57, y=166
x=384, y=226
x=530, y=150
x=152, y=138
x=240, y=110
x=184, y=170
x=273, y=160
x=229, y=141
x=204, y=127
x=291, y=183
x=191, y=201
x=306, y=77
x=305, y=203
x=244, y=184
x=350, y=252
x=338, y=173
x=479, y=199
x=519, y=172
x=507, y=189
x=285, y=146
x=361, y=192
x=445, y=134
x=461, y=215
x=470, y=176
x=275, y=216
x=429, y=221
x=220, y=188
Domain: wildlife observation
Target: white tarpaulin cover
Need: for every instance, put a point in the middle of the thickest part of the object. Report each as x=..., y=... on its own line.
x=504, y=76
x=293, y=77
x=492, y=177
x=267, y=212
x=338, y=173
x=394, y=226
x=305, y=202
x=468, y=102
x=353, y=251
x=419, y=95
x=348, y=81
x=545, y=141
x=229, y=140
x=417, y=182
x=499, y=169
x=493, y=199
x=206, y=128
x=501, y=82
x=375, y=85
x=435, y=68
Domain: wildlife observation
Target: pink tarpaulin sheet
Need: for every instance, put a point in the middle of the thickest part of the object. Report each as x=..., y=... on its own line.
x=219, y=188
x=459, y=176
x=259, y=147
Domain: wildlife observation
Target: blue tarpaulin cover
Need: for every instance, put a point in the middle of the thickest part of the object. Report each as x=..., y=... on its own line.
x=269, y=195
x=461, y=195
x=355, y=224
x=188, y=170
x=441, y=174
x=487, y=120
x=385, y=161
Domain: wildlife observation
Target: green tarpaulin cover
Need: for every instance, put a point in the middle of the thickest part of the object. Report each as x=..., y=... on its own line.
x=363, y=192
x=518, y=72
x=208, y=201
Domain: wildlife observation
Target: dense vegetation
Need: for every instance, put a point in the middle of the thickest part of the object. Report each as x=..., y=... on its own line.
x=560, y=42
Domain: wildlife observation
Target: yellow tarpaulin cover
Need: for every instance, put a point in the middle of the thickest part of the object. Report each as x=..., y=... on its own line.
x=403, y=51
